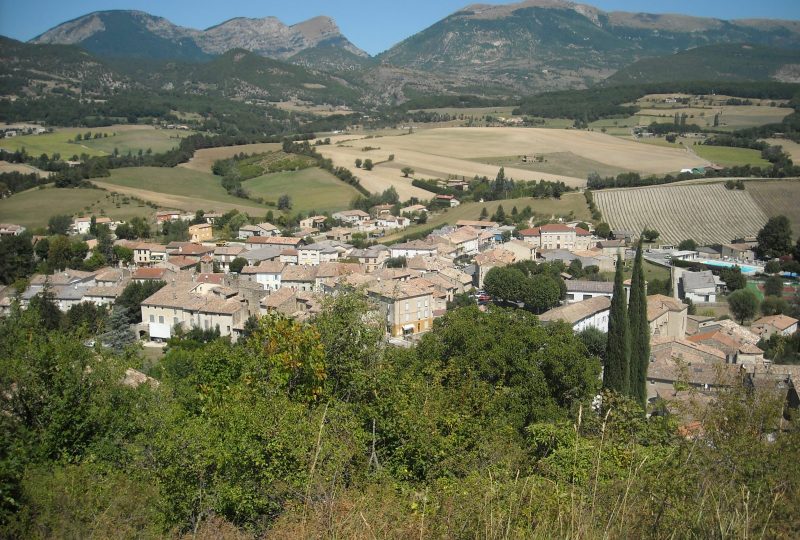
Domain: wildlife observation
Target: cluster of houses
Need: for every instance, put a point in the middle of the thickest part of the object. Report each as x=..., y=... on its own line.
x=411, y=284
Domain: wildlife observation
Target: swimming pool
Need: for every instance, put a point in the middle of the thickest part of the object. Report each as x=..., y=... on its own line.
x=745, y=268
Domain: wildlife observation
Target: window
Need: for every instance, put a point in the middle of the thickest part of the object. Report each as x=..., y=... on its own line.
x=152, y=318
x=160, y=319
x=174, y=321
x=406, y=307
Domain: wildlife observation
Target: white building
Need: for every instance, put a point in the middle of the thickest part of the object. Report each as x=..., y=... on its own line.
x=194, y=305
x=591, y=313
x=268, y=274
x=698, y=287
x=351, y=216
x=579, y=290
x=413, y=249
x=82, y=225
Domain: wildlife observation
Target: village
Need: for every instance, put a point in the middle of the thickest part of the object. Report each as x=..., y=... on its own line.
x=217, y=286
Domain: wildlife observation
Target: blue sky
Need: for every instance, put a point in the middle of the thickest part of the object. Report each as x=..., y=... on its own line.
x=373, y=25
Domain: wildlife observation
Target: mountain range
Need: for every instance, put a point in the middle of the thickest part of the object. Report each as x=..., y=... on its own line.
x=510, y=50
x=138, y=34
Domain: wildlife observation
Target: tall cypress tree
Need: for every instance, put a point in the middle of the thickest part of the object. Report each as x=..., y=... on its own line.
x=617, y=371
x=639, y=331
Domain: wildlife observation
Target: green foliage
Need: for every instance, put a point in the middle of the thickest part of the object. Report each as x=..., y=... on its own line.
x=286, y=355
x=85, y=319
x=60, y=401
x=639, y=331
x=775, y=238
x=175, y=231
x=743, y=304
x=16, y=258
x=237, y=264
x=483, y=427
x=772, y=267
x=71, y=501
x=537, y=291
x=118, y=335
x=650, y=235
x=59, y=224
x=689, y=245
x=133, y=295
x=782, y=349
x=721, y=62
x=773, y=305
x=603, y=230
x=773, y=286
x=733, y=278
x=395, y=262
x=616, y=376
x=284, y=202
x=507, y=360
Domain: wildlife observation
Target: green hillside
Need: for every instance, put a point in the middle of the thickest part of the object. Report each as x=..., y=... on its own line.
x=724, y=62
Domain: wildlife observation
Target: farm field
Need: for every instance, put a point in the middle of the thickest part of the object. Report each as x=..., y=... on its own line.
x=178, y=188
x=729, y=156
x=559, y=163
x=569, y=202
x=6, y=167
x=204, y=159
x=707, y=213
x=34, y=207
x=778, y=197
x=474, y=112
x=455, y=152
x=309, y=189
x=124, y=138
x=702, y=111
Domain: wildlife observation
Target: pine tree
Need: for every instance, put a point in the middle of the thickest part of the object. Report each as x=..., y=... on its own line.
x=617, y=370
x=639, y=329
x=118, y=335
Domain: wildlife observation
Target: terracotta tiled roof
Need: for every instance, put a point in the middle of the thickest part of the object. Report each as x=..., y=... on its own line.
x=274, y=240
x=781, y=322
x=150, y=273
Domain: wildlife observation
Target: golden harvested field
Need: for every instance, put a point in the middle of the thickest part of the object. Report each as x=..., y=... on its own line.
x=778, y=197
x=204, y=159
x=453, y=152
x=707, y=213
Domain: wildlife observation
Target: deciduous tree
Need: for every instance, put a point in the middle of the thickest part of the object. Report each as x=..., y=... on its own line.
x=743, y=304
